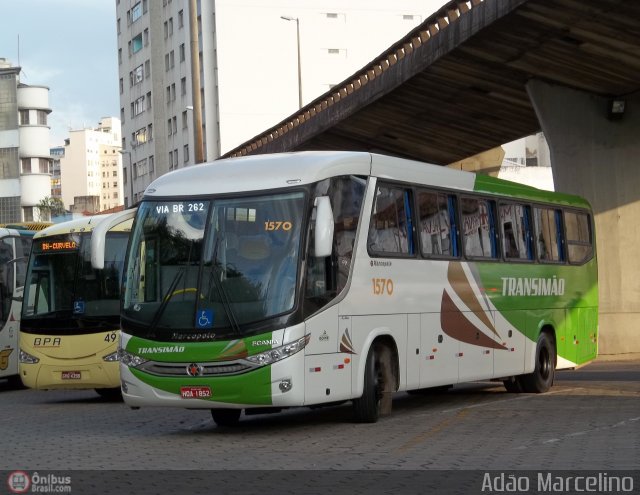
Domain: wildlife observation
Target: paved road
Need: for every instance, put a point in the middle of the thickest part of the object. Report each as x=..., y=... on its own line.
x=590, y=420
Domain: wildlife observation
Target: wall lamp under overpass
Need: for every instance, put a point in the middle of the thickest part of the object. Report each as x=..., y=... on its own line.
x=289, y=18
x=616, y=108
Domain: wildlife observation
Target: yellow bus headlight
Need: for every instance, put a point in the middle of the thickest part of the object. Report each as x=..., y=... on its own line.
x=26, y=358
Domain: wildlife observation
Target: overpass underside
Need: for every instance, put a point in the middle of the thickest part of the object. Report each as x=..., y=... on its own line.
x=478, y=74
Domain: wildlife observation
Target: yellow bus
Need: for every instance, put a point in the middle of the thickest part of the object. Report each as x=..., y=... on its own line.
x=70, y=315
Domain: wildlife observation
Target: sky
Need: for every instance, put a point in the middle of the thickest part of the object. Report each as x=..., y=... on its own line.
x=71, y=47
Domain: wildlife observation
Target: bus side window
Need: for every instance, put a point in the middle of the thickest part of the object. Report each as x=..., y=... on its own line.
x=391, y=229
x=327, y=277
x=478, y=228
x=579, y=238
x=436, y=224
x=548, y=228
x=516, y=232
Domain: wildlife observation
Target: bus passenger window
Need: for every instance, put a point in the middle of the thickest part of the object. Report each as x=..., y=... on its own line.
x=435, y=226
x=579, y=240
x=516, y=235
x=478, y=227
x=391, y=231
x=548, y=228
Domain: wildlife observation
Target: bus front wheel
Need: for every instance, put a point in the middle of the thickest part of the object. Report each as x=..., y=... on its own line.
x=378, y=386
x=541, y=379
x=226, y=417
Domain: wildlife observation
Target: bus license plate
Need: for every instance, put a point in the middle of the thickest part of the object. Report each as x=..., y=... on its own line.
x=71, y=375
x=195, y=392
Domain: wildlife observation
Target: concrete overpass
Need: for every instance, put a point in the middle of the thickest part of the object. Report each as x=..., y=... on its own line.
x=478, y=74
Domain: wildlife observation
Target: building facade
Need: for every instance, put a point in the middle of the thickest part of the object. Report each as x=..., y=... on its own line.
x=528, y=161
x=250, y=78
x=91, y=168
x=25, y=163
x=57, y=154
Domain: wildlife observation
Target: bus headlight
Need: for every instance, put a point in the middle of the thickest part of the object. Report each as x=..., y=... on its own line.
x=110, y=358
x=279, y=353
x=26, y=358
x=129, y=359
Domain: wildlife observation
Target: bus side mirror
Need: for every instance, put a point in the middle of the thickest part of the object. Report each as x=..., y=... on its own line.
x=323, y=227
x=99, y=234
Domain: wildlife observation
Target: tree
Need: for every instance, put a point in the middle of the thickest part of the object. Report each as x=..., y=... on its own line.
x=49, y=207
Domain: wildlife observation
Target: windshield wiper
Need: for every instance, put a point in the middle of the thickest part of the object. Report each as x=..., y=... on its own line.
x=222, y=292
x=165, y=300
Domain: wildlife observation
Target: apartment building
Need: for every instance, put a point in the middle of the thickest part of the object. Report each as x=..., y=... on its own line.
x=250, y=77
x=25, y=163
x=91, y=168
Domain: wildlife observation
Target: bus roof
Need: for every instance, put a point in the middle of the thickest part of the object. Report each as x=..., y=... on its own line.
x=278, y=170
x=31, y=226
x=83, y=224
x=258, y=172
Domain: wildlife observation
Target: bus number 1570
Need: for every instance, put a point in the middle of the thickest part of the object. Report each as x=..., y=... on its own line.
x=382, y=286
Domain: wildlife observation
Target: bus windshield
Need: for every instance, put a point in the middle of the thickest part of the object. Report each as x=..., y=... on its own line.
x=62, y=282
x=196, y=267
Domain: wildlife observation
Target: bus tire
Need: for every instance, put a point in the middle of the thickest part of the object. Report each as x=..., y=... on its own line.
x=15, y=382
x=513, y=384
x=226, y=417
x=541, y=379
x=378, y=386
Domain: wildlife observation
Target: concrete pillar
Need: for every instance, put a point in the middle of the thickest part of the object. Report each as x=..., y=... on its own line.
x=598, y=158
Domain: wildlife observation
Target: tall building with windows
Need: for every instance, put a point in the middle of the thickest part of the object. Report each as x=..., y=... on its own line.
x=25, y=163
x=91, y=168
x=57, y=154
x=250, y=78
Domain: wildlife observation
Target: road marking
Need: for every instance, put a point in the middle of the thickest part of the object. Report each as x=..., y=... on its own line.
x=500, y=401
x=568, y=436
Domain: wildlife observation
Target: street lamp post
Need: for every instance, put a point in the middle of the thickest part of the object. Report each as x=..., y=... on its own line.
x=198, y=142
x=195, y=82
x=287, y=18
x=126, y=152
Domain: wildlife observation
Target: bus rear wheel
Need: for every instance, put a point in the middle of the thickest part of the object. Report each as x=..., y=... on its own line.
x=542, y=377
x=378, y=386
x=226, y=417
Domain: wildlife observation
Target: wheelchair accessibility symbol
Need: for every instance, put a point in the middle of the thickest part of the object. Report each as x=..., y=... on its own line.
x=204, y=318
x=78, y=307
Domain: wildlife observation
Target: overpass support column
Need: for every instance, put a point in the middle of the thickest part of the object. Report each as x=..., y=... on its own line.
x=599, y=158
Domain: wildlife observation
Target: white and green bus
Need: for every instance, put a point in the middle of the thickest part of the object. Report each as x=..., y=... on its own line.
x=266, y=282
